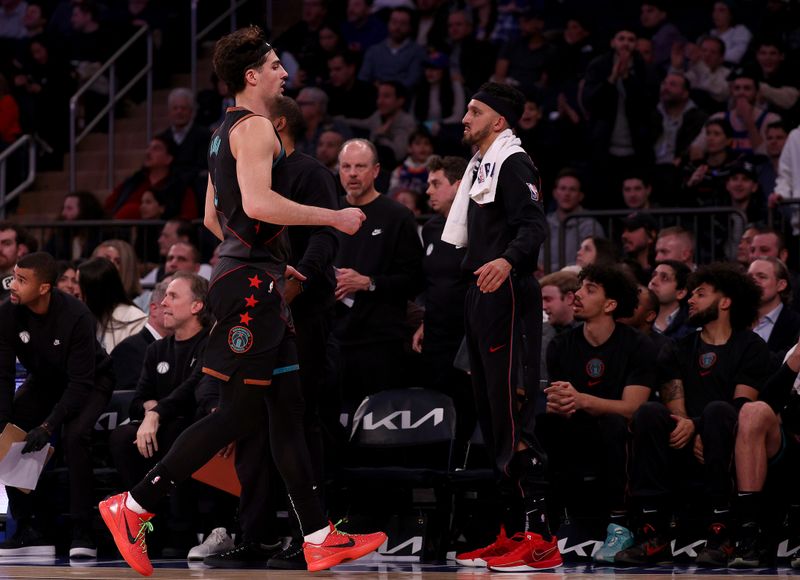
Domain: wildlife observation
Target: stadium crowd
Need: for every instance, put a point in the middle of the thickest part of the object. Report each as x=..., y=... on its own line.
x=668, y=350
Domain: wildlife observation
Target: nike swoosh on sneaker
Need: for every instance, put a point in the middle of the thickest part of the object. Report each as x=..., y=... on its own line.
x=131, y=537
x=349, y=544
x=537, y=555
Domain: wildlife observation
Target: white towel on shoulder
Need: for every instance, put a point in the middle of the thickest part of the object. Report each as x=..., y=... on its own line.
x=483, y=190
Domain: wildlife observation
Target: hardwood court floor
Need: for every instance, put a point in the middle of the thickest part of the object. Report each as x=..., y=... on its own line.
x=175, y=570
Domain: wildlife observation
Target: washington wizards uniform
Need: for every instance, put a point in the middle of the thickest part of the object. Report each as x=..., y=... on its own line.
x=246, y=290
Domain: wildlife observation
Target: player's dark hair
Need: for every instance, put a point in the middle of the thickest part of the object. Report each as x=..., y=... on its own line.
x=43, y=265
x=731, y=282
x=237, y=52
x=617, y=285
x=289, y=109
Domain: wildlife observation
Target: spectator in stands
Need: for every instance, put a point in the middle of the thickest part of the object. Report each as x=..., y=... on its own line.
x=67, y=278
x=390, y=126
x=654, y=17
x=12, y=248
x=639, y=232
x=398, y=58
x=72, y=243
x=574, y=52
x=777, y=86
x=472, y=61
x=636, y=190
x=596, y=250
x=600, y=374
x=104, y=295
x=190, y=138
x=558, y=298
x=328, y=145
x=122, y=255
x=349, y=96
x=439, y=102
x=619, y=105
x=484, y=17
x=568, y=195
x=643, y=316
x=158, y=173
x=362, y=29
x=89, y=45
x=546, y=141
x=34, y=20
x=676, y=121
x=412, y=173
x=68, y=386
x=676, y=243
x=377, y=271
x=182, y=256
x=743, y=249
x=767, y=168
x=523, y=60
x=47, y=86
x=705, y=71
x=787, y=183
x=668, y=283
x=314, y=107
x=151, y=207
x=439, y=336
x=705, y=179
x=431, y=21
x=175, y=230
x=742, y=187
x=777, y=323
x=748, y=119
x=128, y=357
x=707, y=377
x=213, y=102
x=10, y=128
x=330, y=44
x=12, y=14
x=302, y=38
x=726, y=27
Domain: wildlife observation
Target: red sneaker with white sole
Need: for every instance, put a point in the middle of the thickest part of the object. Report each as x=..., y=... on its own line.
x=533, y=553
x=340, y=547
x=128, y=529
x=502, y=545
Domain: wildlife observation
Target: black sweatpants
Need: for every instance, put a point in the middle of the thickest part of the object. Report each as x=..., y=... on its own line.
x=584, y=445
x=503, y=333
x=659, y=472
x=240, y=415
x=32, y=405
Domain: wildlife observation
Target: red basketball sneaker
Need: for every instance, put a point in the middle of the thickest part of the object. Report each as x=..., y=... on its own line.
x=501, y=546
x=128, y=529
x=340, y=547
x=532, y=553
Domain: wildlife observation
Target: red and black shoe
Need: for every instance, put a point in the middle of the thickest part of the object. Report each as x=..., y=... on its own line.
x=654, y=548
x=340, y=547
x=128, y=529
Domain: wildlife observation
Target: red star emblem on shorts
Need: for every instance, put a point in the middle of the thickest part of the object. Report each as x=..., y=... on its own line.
x=255, y=282
x=251, y=302
x=245, y=318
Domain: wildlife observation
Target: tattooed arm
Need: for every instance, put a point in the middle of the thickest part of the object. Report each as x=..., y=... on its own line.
x=673, y=397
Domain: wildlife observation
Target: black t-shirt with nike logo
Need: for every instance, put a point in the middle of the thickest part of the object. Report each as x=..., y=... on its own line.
x=711, y=372
x=628, y=357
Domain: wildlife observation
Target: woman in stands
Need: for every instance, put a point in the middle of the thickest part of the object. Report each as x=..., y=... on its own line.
x=122, y=255
x=102, y=291
x=76, y=243
x=704, y=180
x=596, y=250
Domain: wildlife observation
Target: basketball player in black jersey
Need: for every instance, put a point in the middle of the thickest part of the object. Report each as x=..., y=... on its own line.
x=251, y=349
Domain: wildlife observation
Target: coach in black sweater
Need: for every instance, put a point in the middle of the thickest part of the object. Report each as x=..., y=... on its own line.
x=378, y=270
x=69, y=384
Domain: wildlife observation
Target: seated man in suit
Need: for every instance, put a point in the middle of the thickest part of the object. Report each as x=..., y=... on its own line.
x=128, y=356
x=777, y=324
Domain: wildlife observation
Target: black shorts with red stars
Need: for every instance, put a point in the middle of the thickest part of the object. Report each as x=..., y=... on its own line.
x=253, y=335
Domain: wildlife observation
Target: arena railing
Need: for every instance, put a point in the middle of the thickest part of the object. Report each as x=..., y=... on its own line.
x=197, y=37
x=114, y=96
x=11, y=153
x=716, y=229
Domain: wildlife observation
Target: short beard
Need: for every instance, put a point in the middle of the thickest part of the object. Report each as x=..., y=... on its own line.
x=476, y=138
x=706, y=316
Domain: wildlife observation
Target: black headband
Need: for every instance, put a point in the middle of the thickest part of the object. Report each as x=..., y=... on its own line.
x=264, y=50
x=501, y=106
